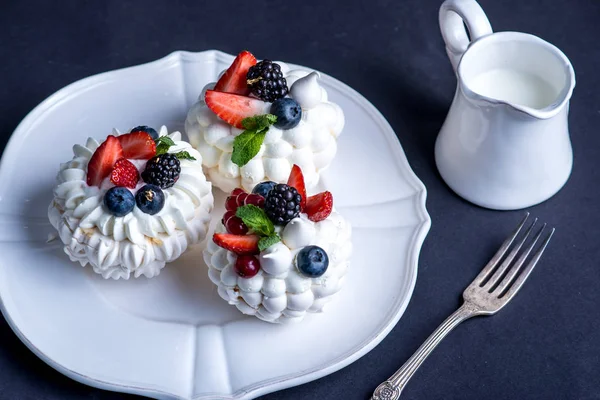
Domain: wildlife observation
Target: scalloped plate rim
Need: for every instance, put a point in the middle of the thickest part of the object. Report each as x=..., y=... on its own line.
x=261, y=388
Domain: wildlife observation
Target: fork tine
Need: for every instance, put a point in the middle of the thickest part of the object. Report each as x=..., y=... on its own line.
x=500, y=253
x=514, y=270
x=499, y=273
x=528, y=268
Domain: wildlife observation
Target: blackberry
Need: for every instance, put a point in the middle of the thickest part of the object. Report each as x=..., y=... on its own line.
x=266, y=81
x=282, y=204
x=162, y=170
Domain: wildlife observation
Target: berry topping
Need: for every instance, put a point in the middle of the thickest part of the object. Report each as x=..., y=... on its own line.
x=138, y=145
x=241, y=198
x=119, y=201
x=266, y=81
x=234, y=224
x=255, y=199
x=264, y=188
x=296, y=180
x=228, y=214
x=239, y=244
x=124, y=174
x=233, y=108
x=103, y=160
x=312, y=261
x=247, y=266
x=234, y=79
x=231, y=203
x=282, y=204
x=150, y=199
x=143, y=128
x=162, y=171
x=319, y=206
x=288, y=113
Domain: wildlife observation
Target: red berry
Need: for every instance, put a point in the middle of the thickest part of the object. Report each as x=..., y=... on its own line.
x=103, y=160
x=138, y=145
x=247, y=266
x=231, y=203
x=255, y=199
x=236, y=226
x=319, y=206
x=239, y=244
x=234, y=80
x=237, y=191
x=241, y=198
x=296, y=180
x=125, y=174
x=233, y=108
x=227, y=215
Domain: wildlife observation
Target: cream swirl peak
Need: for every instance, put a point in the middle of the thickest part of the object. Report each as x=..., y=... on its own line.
x=135, y=213
x=305, y=131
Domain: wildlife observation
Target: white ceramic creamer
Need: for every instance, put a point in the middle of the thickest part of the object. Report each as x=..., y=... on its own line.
x=505, y=142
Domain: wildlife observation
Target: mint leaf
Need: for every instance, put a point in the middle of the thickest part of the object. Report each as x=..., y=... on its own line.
x=268, y=241
x=247, y=145
x=163, y=143
x=162, y=149
x=256, y=219
x=184, y=155
x=166, y=140
x=259, y=122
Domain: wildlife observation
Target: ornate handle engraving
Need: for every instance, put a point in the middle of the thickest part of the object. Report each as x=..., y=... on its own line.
x=391, y=389
x=386, y=391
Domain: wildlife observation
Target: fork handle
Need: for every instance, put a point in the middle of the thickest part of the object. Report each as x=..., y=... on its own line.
x=391, y=389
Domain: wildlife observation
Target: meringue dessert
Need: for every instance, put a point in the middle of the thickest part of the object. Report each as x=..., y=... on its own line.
x=131, y=203
x=239, y=150
x=278, y=254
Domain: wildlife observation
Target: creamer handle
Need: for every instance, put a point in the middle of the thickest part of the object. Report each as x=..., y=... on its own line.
x=452, y=15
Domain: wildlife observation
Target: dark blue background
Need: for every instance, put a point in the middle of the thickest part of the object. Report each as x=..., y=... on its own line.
x=545, y=345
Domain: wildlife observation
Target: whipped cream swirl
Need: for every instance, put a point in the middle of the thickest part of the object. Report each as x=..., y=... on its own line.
x=312, y=144
x=137, y=243
x=279, y=293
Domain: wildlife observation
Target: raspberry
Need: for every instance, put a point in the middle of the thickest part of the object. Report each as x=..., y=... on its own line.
x=162, y=170
x=266, y=81
x=124, y=174
x=283, y=204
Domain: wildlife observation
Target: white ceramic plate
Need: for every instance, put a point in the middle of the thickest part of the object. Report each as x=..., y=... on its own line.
x=172, y=336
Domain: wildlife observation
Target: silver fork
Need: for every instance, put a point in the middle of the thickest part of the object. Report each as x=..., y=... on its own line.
x=492, y=289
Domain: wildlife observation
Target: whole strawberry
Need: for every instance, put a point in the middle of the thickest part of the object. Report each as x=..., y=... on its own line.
x=124, y=174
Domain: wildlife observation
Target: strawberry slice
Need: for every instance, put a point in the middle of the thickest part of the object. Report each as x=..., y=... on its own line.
x=234, y=80
x=296, y=180
x=233, y=108
x=319, y=206
x=239, y=244
x=138, y=145
x=103, y=160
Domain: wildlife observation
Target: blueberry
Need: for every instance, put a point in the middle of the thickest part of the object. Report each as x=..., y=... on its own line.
x=143, y=128
x=150, y=199
x=312, y=261
x=263, y=188
x=119, y=201
x=288, y=113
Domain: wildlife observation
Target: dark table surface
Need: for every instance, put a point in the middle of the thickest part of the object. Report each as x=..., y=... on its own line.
x=545, y=345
